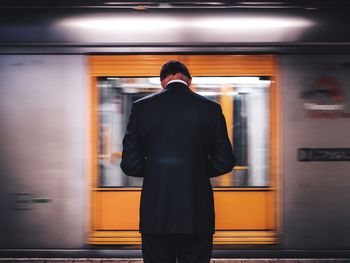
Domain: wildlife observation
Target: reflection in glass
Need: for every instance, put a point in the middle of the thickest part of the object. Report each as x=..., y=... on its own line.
x=244, y=101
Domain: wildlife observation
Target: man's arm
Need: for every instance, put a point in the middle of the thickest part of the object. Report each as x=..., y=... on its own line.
x=222, y=160
x=133, y=158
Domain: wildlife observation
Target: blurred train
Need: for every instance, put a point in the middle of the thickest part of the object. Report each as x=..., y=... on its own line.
x=70, y=71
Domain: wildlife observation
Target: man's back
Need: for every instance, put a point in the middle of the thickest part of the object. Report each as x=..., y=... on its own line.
x=176, y=140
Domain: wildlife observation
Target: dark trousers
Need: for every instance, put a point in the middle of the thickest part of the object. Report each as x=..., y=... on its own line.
x=166, y=248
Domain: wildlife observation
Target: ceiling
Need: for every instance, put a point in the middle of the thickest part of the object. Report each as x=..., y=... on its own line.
x=145, y=5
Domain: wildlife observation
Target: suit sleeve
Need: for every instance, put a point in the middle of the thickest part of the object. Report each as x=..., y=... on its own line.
x=133, y=158
x=221, y=159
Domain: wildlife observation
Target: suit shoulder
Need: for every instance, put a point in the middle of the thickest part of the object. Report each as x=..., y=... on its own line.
x=149, y=98
x=208, y=102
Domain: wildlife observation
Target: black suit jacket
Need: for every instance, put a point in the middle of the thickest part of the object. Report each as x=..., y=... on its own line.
x=176, y=140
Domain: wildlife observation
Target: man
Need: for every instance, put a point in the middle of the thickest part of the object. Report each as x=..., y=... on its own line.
x=176, y=140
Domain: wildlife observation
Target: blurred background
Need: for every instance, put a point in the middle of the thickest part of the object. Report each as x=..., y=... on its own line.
x=70, y=71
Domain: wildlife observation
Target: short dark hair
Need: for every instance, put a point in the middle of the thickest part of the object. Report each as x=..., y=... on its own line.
x=172, y=67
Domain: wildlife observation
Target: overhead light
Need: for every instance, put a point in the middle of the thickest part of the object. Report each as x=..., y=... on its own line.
x=261, y=3
x=311, y=8
x=164, y=5
x=215, y=80
x=154, y=80
x=140, y=8
x=223, y=80
x=252, y=23
x=207, y=93
x=174, y=27
x=214, y=3
x=123, y=23
x=128, y=3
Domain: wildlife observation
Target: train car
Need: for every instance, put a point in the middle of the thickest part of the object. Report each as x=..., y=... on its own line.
x=70, y=71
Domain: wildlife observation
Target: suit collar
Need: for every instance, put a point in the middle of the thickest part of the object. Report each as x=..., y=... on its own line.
x=176, y=85
x=177, y=80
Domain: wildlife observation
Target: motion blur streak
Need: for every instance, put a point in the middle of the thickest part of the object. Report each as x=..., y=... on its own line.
x=255, y=23
x=127, y=24
x=193, y=28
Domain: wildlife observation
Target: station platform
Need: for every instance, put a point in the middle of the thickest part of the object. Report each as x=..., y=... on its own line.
x=138, y=260
x=132, y=255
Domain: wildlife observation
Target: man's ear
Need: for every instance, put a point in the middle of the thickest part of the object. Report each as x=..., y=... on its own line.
x=162, y=83
x=189, y=82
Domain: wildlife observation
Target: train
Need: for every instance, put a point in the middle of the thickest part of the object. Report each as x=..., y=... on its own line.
x=70, y=71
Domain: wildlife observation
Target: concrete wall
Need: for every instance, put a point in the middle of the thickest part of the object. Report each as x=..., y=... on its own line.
x=316, y=195
x=43, y=139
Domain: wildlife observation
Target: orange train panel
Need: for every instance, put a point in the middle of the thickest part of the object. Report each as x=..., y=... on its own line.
x=118, y=210
x=199, y=65
x=231, y=65
x=239, y=210
x=128, y=65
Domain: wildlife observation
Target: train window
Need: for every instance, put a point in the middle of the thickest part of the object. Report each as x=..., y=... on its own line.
x=245, y=104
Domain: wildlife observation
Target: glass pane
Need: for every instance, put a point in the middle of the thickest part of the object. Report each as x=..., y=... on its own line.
x=244, y=102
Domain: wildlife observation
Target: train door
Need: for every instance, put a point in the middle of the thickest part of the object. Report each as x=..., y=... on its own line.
x=246, y=203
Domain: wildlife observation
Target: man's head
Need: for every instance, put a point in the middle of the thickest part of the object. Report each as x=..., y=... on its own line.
x=174, y=70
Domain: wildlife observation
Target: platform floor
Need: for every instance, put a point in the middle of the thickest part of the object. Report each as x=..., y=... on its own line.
x=125, y=260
